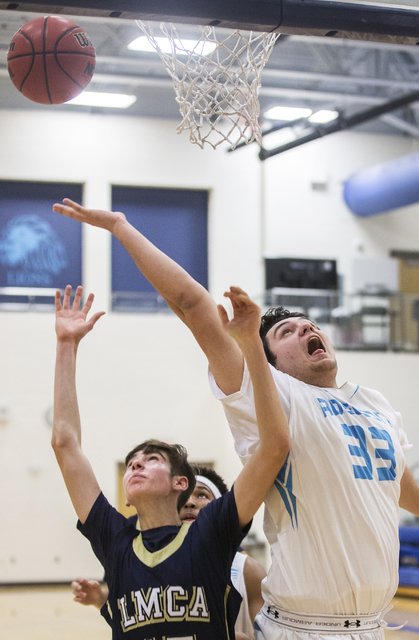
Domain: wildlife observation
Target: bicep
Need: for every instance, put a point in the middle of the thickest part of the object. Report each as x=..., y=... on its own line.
x=80, y=480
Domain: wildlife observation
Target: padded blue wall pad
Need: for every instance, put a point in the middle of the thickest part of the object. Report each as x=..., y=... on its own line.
x=409, y=535
x=409, y=576
x=383, y=187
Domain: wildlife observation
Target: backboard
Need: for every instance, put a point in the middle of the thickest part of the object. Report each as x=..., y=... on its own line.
x=381, y=21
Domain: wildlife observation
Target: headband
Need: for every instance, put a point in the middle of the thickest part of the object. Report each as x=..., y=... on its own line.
x=215, y=490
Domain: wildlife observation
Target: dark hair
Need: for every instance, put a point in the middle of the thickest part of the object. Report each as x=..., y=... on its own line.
x=271, y=318
x=178, y=461
x=206, y=472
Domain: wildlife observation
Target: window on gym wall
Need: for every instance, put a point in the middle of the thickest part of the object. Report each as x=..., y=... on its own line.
x=175, y=220
x=40, y=251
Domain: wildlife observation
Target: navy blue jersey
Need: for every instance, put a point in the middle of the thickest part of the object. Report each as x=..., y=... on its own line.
x=169, y=582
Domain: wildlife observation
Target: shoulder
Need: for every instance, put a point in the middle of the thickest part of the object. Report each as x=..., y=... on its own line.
x=221, y=516
x=104, y=515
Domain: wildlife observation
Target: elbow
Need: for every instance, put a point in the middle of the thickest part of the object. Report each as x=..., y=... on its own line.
x=281, y=450
x=57, y=444
x=60, y=442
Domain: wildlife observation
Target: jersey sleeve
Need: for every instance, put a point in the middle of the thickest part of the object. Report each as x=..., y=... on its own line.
x=102, y=526
x=106, y=613
x=240, y=410
x=219, y=525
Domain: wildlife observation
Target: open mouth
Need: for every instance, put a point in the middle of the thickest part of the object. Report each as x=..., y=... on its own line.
x=315, y=345
x=188, y=517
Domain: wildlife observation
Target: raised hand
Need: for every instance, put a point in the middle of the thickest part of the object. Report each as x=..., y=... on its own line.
x=96, y=217
x=71, y=323
x=246, y=319
x=89, y=592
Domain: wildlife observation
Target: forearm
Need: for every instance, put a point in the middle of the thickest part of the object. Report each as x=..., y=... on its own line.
x=272, y=423
x=177, y=287
x=66, y=432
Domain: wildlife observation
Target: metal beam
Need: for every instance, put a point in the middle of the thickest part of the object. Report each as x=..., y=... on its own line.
x=341, y=123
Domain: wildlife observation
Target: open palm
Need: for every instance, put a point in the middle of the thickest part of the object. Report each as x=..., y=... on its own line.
x=71, y=323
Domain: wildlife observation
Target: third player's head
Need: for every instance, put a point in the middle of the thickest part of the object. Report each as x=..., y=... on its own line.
x=295, y=345
x=208, y=486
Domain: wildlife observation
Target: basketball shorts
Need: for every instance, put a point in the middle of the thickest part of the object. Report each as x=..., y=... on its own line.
x=276, y=624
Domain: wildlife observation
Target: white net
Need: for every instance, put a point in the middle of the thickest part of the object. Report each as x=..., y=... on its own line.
x=216, y=82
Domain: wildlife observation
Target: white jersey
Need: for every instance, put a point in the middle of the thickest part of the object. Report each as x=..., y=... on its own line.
x=331, y=517
x=243, y=621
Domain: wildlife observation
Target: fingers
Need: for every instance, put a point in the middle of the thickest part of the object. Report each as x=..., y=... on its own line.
x=66, y=298
x=68, y=209
x=238, y=298
x=58, y=301
x=96, y=317
x=76, y=305
x=223, y=314
x=77, y=297
x=71, y=203
x=88, y=304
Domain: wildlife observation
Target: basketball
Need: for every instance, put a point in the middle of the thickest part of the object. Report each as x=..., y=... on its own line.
x=51, y=60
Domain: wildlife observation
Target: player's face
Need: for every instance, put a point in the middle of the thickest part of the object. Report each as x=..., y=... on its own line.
x=147, y=473
x=199, y=498
x=303, y=351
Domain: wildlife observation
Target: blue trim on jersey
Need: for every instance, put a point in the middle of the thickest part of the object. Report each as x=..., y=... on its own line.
x=354, y=392
x=283, y=482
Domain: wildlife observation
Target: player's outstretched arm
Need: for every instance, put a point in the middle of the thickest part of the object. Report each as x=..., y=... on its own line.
x=186, y=297
x=409, y=493
x=262, y=468
x=89, y=592
x=71, y=325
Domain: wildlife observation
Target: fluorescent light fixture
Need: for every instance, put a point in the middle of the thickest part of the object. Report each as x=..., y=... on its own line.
x=287, y=113
x=97, y=99
x=323, y=116
x=183, y=47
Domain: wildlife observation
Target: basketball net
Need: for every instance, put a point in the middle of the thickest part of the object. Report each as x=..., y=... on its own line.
x=216, y=82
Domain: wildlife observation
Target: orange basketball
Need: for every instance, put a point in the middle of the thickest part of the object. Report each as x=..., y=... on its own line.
x=51, y=60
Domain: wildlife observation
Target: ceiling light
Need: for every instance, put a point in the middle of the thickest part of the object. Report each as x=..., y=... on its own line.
x=287, y=113
x=278, y=138
x=323, y=116
x=183, y=47
x=96, y=99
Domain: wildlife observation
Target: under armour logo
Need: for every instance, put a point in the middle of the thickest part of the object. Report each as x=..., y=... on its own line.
x=355, y=623
x=272, y=611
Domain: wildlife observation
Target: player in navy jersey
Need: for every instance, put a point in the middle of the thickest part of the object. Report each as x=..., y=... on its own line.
x=246, y=573
x=167, y=580
x=332, y=513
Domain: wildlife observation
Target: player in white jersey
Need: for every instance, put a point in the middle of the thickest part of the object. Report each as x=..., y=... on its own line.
x=332, y=514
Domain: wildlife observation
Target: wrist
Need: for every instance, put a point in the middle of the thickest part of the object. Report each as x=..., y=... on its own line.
x=69, y=343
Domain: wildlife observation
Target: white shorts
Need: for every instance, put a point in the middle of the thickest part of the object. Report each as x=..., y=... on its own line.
x=269, y=628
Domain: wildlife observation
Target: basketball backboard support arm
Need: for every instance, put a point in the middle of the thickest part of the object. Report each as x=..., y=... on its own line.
x=359, y=21
x=340, y=124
